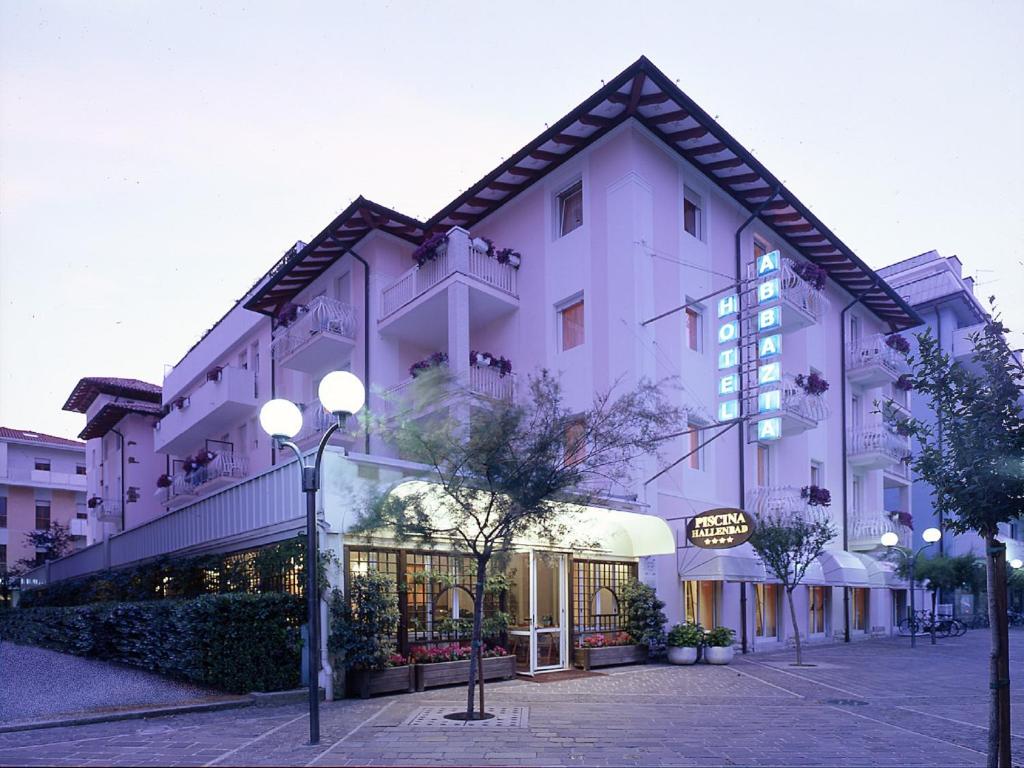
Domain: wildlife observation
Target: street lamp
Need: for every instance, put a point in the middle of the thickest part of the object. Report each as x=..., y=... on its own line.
x=1017, y=563
x=890, y=540
x=341, y=394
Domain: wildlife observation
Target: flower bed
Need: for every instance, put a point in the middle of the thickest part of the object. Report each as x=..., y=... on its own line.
x=449, y=665
x=397, y=676
x=609, y=650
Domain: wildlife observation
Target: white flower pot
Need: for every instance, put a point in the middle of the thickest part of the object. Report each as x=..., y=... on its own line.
x=480, y=244
x=682, y=655
x=716, y=655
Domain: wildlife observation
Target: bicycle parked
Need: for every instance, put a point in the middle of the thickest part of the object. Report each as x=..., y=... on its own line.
x=924, y=622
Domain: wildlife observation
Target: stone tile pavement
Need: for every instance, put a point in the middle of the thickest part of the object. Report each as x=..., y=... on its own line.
x=872, y=703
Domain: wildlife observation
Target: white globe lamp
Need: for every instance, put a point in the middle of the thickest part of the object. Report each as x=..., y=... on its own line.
x=1017, y=563
x=890, y=539
x=341, y=392
x=931, y=535
x=281, y=418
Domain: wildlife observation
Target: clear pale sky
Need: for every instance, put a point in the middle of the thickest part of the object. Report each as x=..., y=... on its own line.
x=156, y=158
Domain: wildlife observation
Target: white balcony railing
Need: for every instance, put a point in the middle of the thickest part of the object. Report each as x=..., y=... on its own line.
x=225, y=398
x=866, y=529
x=225, y=466
x=797, y=401
x=43, y=477
x=801, y=294
x=458, y=254
x=483, y=382
x=321, y=315
x=783, y=501
x=877, y=441
x=872, y=352
x=79, y=527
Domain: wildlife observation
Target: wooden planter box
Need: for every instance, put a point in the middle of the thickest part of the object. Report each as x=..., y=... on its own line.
x=363, y=683
x=455, y=672
x=587, y=658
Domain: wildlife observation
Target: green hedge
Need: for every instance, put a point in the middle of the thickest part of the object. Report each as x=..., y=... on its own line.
x=237, y=643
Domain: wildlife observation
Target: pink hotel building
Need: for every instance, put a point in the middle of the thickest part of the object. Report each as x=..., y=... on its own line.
x=633, y=204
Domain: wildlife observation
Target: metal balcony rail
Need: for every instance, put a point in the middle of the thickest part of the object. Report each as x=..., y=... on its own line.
x=797, y=401
x=223, y=465
x=802, y=294
x=482, y=381
x=777, y=501
x=868, y=527
x=458, y=254
x=879, y=439
x=872, y=350
x=321, y=315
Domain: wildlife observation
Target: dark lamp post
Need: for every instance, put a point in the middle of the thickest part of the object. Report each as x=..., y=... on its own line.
x=341, y=394
x=890, y=540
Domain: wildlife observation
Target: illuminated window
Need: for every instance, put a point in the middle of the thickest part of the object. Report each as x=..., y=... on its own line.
x=696, y=458
x=764, y=465
x=570, y=321
x=570, y=209
x=859, y=603
x=760, y=249
x=694, y=328
x=817, y=609
x=575, y=446
x=767, y=598
x=700, y=602
x=693, y=214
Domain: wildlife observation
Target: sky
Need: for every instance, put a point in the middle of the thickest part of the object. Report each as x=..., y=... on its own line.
x=156, y=158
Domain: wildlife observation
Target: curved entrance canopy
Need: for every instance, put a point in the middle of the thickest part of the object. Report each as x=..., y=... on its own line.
x=737, y=564
x=843, y=569
x=597, y=530
x=880, y=573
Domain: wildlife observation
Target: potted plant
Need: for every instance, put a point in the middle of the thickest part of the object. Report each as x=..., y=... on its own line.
x=816, y=496
x=436, y=359
x=718, y=645
x=904, y=383
x=164, y=481
x=428, y=249
x=812, y=384
x=899, y=343
x=811, y=274
x=683, y=642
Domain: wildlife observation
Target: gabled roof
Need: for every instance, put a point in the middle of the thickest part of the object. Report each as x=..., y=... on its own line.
x=641, y=92
x=89, y=388
x=28, y=436
x=111, y=413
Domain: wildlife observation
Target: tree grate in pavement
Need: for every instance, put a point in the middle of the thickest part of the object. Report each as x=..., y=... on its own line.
x=845, y=702
x=434, y=717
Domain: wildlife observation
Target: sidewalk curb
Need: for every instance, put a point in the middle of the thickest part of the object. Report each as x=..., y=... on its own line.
x=274, y=699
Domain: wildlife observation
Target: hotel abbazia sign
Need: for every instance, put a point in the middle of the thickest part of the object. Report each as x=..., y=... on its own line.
x=719, y=528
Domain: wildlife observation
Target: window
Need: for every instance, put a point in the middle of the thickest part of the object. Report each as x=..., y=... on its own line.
x=859, y=604
x=695, y=450
x=694, y=328
x=693, y=214
x=855, y=411
x=857, y=494
x=42, y=515
x=817, y=609
x=700, y=603
x=343, y=288
x=3, y=558
x=81, y=515
x=817, y=474
x=79, y=469
x=764, y=465
x=575, y=448
x=570, y=320
x=854, y=328
x=254, y=355
x=43, y=465
x=760, y=249
x=3, y=511
x=570, y=209
x=766, y=610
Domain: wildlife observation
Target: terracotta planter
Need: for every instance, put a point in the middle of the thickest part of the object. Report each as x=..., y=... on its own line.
x=365, y=683
x=588, y=658
x=684, y=654
x=456, y=672
x=717, y=655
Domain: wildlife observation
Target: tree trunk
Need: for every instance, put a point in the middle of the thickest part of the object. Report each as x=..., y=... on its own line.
x=796, y=629
x=476, y=648
x=999, y=661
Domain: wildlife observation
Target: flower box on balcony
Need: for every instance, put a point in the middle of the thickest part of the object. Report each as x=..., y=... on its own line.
x=456, y=672
x=373, y=682
x=609, y=656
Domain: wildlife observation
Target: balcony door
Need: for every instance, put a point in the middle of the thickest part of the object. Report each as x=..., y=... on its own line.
x=539, y=634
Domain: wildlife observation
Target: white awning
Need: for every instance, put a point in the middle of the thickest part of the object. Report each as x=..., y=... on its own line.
x=843, y=569
x=597, y=530
x=881, y=573
x=736, y=564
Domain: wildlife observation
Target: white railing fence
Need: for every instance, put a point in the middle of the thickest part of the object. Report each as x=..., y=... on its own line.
x=879, y=439
x=872, y=350
x=783, y=501
x=223, y=465
x=321, y=315
x=796, y=400
x=800, y=293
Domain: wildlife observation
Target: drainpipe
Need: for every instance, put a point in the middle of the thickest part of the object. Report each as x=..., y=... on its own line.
x=938, y=423
x=366, y=330
x=741, y=437
x=842, y=427
x=120, y=436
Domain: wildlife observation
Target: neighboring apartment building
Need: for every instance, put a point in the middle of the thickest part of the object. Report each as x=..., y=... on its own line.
x=633, y=204
x=42, y=481
x=936, y=288
x=122, y=465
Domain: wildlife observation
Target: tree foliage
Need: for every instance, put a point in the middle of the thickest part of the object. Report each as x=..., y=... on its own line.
x=644, y=617
x=364, y=622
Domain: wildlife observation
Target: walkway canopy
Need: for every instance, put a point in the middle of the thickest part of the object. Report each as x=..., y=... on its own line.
x=881, y=573
x=843, y=569
x=736, y=564
x=591, y=529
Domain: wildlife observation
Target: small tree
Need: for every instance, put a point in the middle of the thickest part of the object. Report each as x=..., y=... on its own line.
x=49, y=543
x=788, y=544
x=514, y=469
x=943, y=574
x=364, y=623
x=971, y=456
x=644, y=614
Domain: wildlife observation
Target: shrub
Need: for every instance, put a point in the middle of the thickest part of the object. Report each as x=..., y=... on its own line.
x=643, y=617
x=236, y=643
x=686, y=636
x=719, y=637
x=364, y=623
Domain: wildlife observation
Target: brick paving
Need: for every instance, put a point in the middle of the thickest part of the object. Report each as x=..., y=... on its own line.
x=873, y=703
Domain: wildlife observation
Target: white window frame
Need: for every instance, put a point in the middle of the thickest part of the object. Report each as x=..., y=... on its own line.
x=560, y=307
x=560, y=198
x=697, y=200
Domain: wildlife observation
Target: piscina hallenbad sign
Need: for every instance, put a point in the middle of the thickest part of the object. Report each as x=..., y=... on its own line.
x=719, y=528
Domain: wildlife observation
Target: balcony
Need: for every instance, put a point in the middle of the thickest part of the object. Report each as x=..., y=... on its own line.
x=41, y=478
x=866, y=529
x=485, y=384
x=871, y=362
x=217, y=405
x=800, y=410
x=320, y=338
x=108, y=511
x=415, y=305
x=802, y=304
x=783, y=501
x=225, y=469
x=876, y=447
x=963, y=346
x=79, y=527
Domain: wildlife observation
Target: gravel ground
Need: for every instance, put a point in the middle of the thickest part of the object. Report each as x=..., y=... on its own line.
x=38, y=684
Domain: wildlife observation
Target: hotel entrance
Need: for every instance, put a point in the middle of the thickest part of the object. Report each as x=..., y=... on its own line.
x=538, y=601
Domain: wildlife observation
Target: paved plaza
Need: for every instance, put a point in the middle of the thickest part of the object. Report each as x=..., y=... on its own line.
x=868, y=703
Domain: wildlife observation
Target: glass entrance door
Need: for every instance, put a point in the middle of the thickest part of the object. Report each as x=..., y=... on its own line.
x=538, y=632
